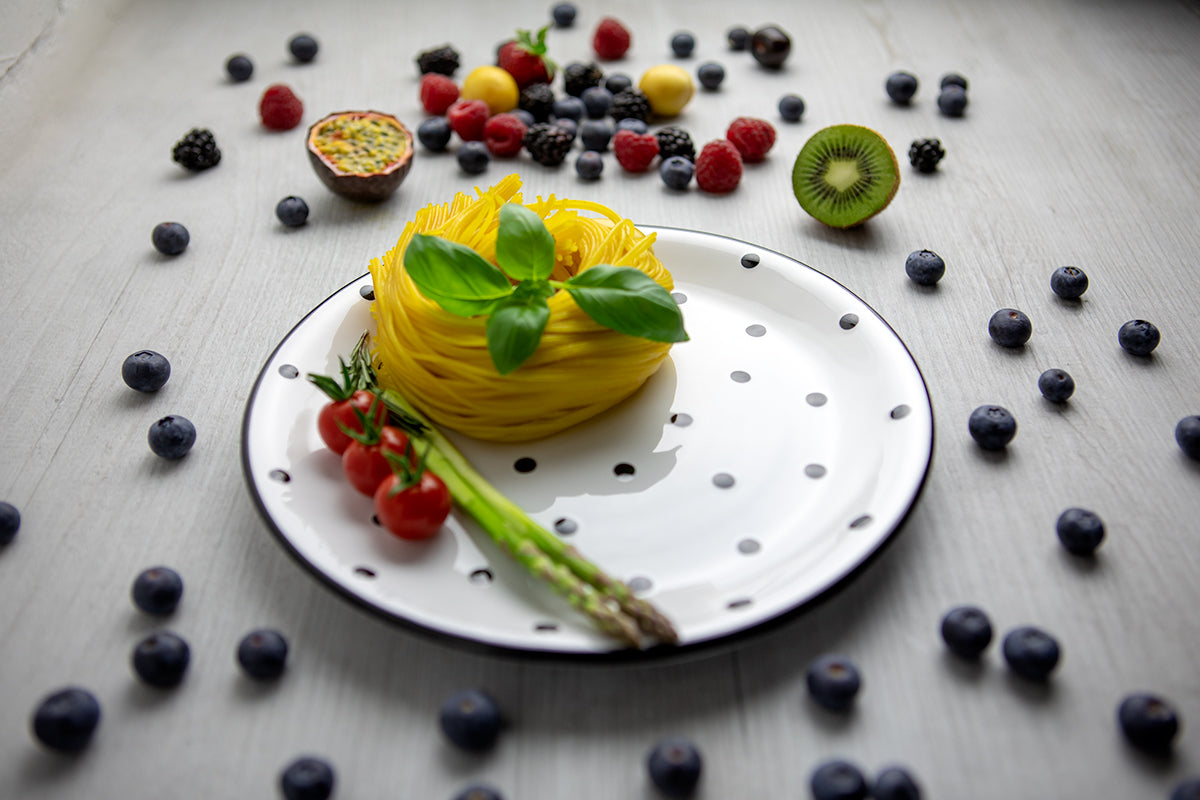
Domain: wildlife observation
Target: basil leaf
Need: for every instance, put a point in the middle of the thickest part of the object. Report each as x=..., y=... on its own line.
x=454, y=276
x=524, y=248
x=628, y=300
x=515, y=328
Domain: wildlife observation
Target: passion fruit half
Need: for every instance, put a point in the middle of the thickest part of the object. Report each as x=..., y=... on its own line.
x=360, y=155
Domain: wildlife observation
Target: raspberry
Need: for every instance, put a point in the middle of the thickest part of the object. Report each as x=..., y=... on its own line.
x=438, y=93
x=635, y=151
x=503, y=134
x=279, y=108
x=752, y=137
x=467, y=118
x=611, y=39
x=719, y=167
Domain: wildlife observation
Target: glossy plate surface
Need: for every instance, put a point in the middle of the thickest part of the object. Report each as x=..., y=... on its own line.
x=769, y=458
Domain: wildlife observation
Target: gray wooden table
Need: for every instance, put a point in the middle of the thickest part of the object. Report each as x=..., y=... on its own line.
x=1079, y=146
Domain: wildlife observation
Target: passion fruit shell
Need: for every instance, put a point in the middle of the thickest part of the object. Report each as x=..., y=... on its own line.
x=360, y=155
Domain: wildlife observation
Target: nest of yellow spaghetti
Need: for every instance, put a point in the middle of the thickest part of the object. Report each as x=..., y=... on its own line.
x=440, y=360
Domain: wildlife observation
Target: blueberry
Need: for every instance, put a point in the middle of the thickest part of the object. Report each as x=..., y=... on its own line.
x=711, y=75
x=1056, y=385
x=471, y=719
x=791, y=107
x=239, y=67
x=569, y=108
x=682, y=44
x=676, y=172
x=895, y=783
x=473, y=157
x=170, y=238
x=833, y=682
x=618, y=82
x=953, y=79
x=901, y=86
x=172, y=437
x=595, y=134
x=307, y=778
x=10, y=522
x=1138, y=337
x=596, y=101
x=303, y=47
x=967, y=631
x=157, y=590
x=838, y=780
x=1189, y=789
x=161, y=659
x=1080, y=531
x=675, y=765
x=567, y=124
x=1149, y=722
x=263, y=654
x=479, y=791
x=526, y=117
x=992, y=427
x=292, y=211
x=146, y=371
x=1068, y=283
x=632, y=124
x=564, y=15
x=1187, y=435
x=1031, y=653
x=738, y=38
x=952, y=101
x=434, y=133
x=589, y=165
x=65, y=720
x=924, y=267
x=1009, y=327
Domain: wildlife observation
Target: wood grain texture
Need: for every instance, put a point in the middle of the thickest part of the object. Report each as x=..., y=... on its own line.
x=1079, y=147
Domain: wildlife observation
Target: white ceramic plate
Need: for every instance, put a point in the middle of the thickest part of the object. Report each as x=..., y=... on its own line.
x=769, y=458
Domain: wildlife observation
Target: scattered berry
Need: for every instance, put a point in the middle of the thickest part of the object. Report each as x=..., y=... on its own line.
x=752, y=137
x=595, y=134
x=596, y=101
x=292, y=211
x=1149, y=722
x=675, y=765
x=674, y=141
x=303, y=48
x=1189, y=789
x=434, y=133
x=548, y=144
x=632, y=124
x=161, y=659
x=1187, y=435
x=791, y=108
x=467, y=118
x=470, y=719
x=503, y=134
x=170, y=238
x=901, y=86
x=589, y=165
x=924, y=267
x=682, y=44
x=967, y=631
x=524, y=116
x=838, y=780
x=523, y=59
x=833, y=682
x=579, y=77
x=568, y=125
x=473, y=158
x=157, y=590
x=479, y=791
x=438, y=93
x=279, y=108
x=635, y=151
x=537, y=100
x=197, y=150
x=770, y=46
x=895, y=783
x=1068, y=283
x=239, y=67
x=10, y=522
x=953, y=79
x=1056, y=385
x=1080, y=531
x=952, y=101
x=1138, y=337
x=569, y=108
x=442, y=60
x=618, y=82
x=711, y=75
x=1009, y=327
x=676, y=172
x=992, y=427
x=262, y=654
x=719, y=167
x=307, y=778
x=145, y=371
x=630, y=103
x=1031, y=653
x=925, y=154
x=611, y=39
x=564, y=15
x=172, y=437
x=65, y=720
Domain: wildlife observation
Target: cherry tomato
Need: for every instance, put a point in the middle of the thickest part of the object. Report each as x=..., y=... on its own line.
x=414, y=513
x=343, y=411
x=366, y=466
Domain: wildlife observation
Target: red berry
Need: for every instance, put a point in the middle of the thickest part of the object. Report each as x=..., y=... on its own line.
x=752, y=137
x=467, y=118
x=635, y=151
x=503, y=135
x=279, y=108
x=527, y=68
x=719, y=167
x=611, y=39
x=438, y=93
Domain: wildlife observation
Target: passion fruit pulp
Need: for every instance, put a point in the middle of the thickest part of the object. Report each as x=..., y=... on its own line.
x=360, y=155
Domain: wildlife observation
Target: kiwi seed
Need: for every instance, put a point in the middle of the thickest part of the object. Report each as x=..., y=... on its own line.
x=845, y=174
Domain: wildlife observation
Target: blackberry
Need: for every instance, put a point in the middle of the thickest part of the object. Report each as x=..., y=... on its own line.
x=674, y=141
x=547, y=143
x=924, y=154
x=538, y=100
x=577, y=77
x=630, y=103
x=197, y=151
x=443, y=60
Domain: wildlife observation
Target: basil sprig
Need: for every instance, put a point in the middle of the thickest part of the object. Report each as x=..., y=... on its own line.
x=514, y=297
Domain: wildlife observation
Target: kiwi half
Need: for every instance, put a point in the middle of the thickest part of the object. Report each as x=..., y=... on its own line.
x=845, y=174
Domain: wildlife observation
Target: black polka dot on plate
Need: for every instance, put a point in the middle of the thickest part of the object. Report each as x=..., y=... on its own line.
x=848, y=321
x=750, y=260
